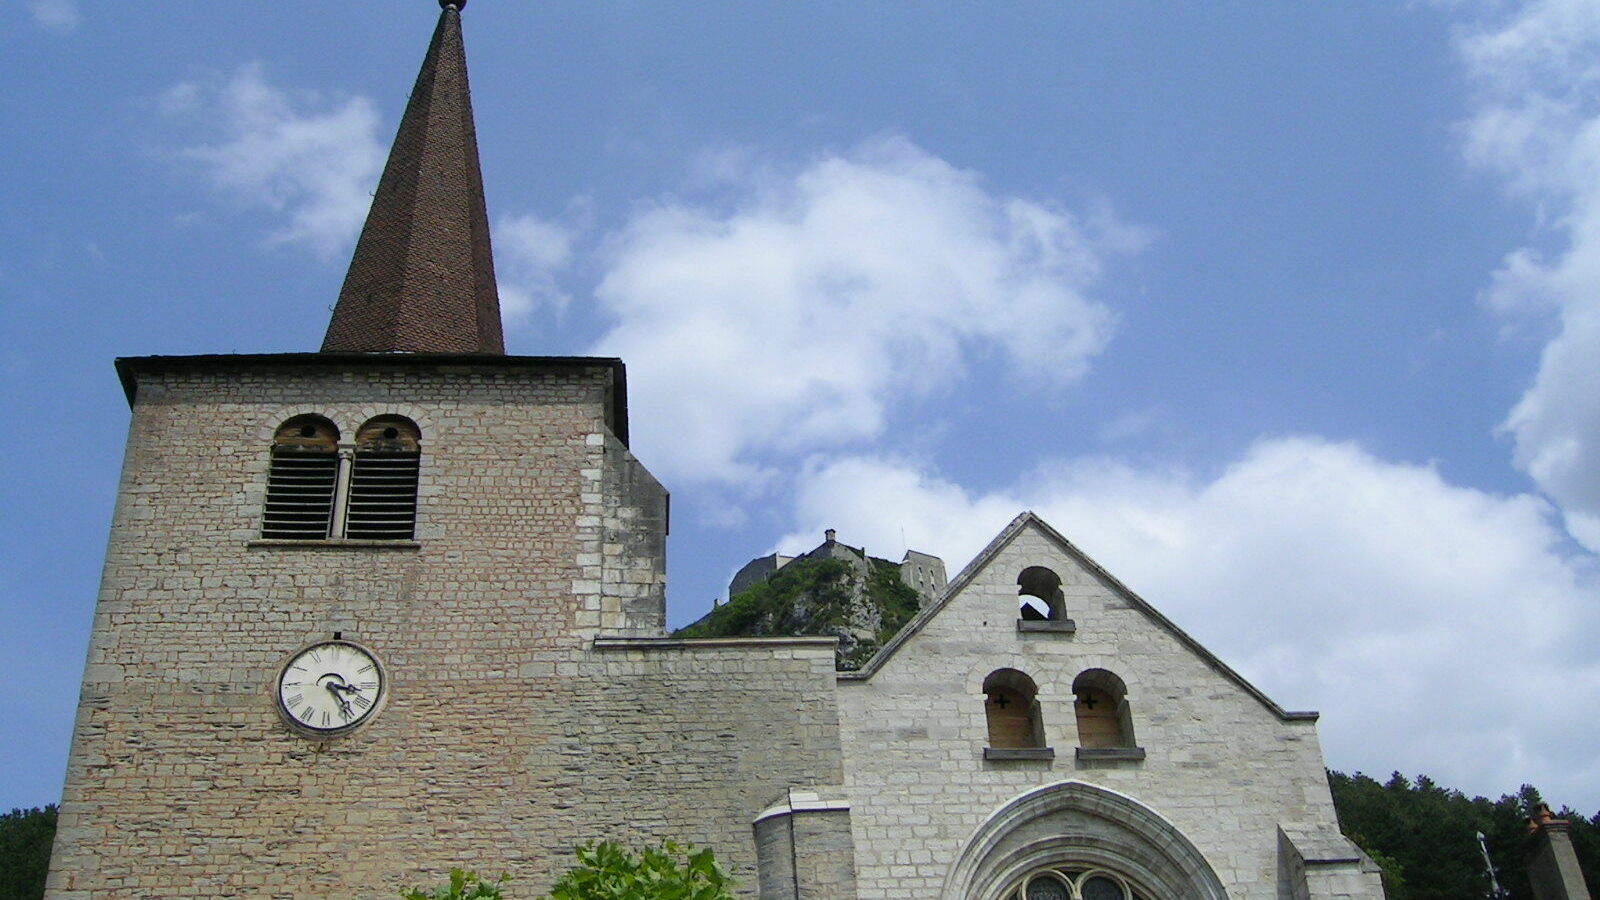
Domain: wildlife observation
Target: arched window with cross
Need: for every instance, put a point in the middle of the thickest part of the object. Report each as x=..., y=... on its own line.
x=1100, y=700
x=1011, y=709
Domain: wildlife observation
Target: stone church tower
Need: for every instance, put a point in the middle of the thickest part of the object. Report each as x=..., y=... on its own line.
x=398, y=605
x=469, y=520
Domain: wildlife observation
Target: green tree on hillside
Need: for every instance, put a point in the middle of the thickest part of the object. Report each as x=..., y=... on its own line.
x=25, y=839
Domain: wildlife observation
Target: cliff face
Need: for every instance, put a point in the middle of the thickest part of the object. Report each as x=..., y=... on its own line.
x=861, y=605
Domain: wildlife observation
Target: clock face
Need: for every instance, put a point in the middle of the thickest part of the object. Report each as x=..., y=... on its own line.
x=330, y=687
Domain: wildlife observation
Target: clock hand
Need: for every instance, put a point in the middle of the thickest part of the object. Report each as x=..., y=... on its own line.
x=344, y=705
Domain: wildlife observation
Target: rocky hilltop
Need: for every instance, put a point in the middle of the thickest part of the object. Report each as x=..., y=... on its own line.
x=862, y=605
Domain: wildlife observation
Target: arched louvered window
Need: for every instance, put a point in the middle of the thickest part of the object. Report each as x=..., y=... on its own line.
x=303, y=480
x=382, y=503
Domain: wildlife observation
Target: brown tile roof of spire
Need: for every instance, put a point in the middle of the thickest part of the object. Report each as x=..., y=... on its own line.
x=422, y=278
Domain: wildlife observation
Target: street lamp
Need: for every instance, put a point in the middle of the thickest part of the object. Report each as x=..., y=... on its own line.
x=1495, y=891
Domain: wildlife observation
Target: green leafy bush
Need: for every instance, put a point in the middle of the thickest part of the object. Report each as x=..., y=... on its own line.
x=609, y=872
x=606, y=871
x=463, y=886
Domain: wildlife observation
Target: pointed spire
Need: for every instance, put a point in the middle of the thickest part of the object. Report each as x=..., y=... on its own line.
x=422, y=279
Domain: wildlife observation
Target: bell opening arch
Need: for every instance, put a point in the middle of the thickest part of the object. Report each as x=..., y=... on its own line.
x=1076, y=823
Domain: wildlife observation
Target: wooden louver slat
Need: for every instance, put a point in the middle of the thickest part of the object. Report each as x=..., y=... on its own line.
x=300, y=488
x=383, y=496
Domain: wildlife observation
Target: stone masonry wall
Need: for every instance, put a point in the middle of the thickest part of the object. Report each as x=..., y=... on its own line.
x=633, y=547
x=506, y=738
x=1553, y=865
x=804, y=847
x=1221, y=766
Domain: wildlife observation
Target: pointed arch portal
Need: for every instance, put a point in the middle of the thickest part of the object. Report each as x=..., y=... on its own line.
x=1074, y=822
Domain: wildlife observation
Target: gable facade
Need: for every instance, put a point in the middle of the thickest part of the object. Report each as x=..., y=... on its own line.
x=1209, y=759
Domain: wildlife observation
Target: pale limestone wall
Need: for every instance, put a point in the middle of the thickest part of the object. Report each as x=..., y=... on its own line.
x=1221, y=765
x=691, y=741
x=506, y=738
x=1319, y=863
x=632, y=546
x=805, y=848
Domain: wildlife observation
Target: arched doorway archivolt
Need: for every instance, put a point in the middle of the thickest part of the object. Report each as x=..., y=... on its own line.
x=1092, y=827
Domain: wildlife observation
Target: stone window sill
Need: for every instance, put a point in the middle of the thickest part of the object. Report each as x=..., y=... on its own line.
x=1004, y=754
x=1097, y=753
x=1048, y=626
x=268, y=543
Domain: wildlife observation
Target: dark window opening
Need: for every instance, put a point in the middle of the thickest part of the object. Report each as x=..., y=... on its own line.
x=1039, y=596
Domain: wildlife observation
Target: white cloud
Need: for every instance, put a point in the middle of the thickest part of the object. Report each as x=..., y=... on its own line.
x=1537, y=121
x=59, y=16
x=529, y=255
x=310, y=159
x=1130, y=425
x=1440, y=629
x=793, y=307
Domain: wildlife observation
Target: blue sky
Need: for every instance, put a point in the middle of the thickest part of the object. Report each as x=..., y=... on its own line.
x=1286, y=313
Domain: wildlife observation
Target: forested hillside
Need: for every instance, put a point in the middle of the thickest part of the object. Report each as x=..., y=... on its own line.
x=25, y=838
x=1425, y=836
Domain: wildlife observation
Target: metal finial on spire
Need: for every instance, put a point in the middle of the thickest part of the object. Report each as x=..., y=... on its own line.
x=458, y=4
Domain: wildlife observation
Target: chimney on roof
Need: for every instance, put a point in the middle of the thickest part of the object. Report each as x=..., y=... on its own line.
x=422, y=277
x=828, y=535
x=1552, y=865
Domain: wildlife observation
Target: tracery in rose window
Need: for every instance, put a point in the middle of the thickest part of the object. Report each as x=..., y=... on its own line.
x=1074, y=883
